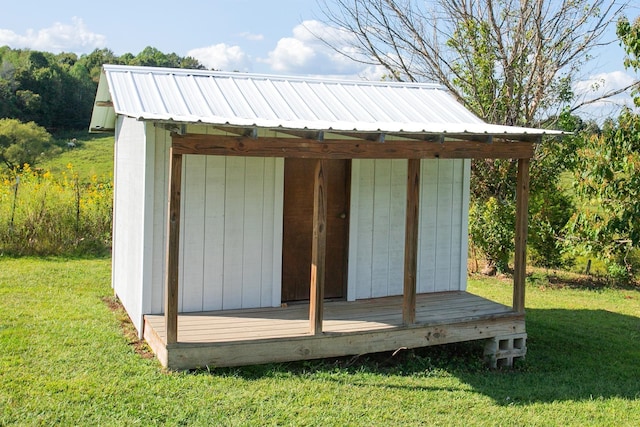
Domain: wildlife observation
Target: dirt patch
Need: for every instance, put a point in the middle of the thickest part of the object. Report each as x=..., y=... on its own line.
x=128, y=330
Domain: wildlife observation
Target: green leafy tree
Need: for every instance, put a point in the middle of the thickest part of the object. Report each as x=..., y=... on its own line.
x=21, y=143
x=608, y=179
x=57, y=91
x=152, y=57
x=491, y=227
x=510, y=62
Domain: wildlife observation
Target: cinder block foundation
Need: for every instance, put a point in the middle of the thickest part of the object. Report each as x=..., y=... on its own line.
x=503, y=351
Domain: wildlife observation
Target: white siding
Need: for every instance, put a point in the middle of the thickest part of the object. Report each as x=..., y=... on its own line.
x=376, y=244
x=231, y=232
x=130, y=229
x=160, y=191
x=378, y=205
x=443, y=236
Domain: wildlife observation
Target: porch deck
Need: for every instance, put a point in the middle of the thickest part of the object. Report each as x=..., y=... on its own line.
x=243, y=337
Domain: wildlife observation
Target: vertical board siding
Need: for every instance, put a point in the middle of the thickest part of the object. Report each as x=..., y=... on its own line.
x=381, y=228
x=215, y=183
x=362, y=207
x=161, y=173
x=444, y=213
x=192, y=250
x=377, y=228
x=428, y=227
x=397, y=219
x=231, y=231
x=378, y=219
x=253, y=232
x=129, y=218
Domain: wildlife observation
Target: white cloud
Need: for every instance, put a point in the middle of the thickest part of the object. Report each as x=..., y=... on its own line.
x=222, y=57
x=251, y=37
x=317, y=49
x=74, y=37
x=600, y=85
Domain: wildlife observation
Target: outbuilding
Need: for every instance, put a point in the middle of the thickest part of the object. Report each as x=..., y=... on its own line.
x=265, y=218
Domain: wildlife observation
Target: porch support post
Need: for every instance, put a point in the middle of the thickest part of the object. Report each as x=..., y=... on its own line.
x=522, y=212
x=318, y=250
x=173, y=248
x=411, y=242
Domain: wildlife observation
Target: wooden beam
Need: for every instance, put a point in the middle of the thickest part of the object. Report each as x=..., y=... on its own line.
x=173, y=248
x=411, y=242
x=318, y=250
x=520, y=257
x=221, y=145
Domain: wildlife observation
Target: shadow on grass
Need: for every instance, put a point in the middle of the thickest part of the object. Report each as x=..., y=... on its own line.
x=572, y=355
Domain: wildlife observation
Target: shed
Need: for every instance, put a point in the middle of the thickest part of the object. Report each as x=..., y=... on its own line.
x=265, y=218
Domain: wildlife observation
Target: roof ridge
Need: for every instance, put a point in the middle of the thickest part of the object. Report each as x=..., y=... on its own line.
x=261, y=76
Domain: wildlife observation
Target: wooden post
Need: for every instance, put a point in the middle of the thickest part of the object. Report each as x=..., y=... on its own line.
x=520, y=257
x=318, y=250
x=411, y=242
x=173, y=248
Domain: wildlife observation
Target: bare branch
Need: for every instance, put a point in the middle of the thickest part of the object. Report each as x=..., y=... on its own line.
x=532, y=45
x=607, y=95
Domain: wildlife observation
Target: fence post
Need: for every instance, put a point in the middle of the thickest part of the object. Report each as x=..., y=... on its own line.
x=15, y=201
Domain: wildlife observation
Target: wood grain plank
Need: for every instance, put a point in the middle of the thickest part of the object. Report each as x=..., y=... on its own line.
x=349, y=149
x=186, y=356
x=411, y=242
x=318, y=249
x=520, y=254
x=173, y=248
x=339, y=317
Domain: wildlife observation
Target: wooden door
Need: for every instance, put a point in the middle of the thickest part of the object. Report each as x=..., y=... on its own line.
x=298, y=228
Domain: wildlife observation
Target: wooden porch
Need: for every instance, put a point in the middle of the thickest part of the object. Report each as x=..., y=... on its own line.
x=265, y=335
x=321, y=329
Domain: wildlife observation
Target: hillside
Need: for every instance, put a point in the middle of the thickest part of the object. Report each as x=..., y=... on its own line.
x=92, y=155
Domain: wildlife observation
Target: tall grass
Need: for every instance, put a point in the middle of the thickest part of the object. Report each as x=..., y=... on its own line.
x=62, y=214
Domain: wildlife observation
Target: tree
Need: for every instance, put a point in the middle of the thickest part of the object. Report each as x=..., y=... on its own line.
x=57, y=91
x=608, y=179
x=629, y=36
x=21, y=143
x=152, y=57
x=510, y=62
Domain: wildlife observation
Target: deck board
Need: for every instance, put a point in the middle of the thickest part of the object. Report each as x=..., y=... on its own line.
x=264, y=335
x=339, y=317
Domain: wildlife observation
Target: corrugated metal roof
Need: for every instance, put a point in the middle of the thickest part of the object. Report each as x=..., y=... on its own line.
x=251, y=100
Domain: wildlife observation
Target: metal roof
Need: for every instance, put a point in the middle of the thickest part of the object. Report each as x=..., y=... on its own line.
x=278, y=102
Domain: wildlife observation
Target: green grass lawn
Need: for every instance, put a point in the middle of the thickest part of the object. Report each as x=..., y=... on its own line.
x=64, y=360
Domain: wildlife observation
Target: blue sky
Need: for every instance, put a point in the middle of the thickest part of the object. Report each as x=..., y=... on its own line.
x=263, y=36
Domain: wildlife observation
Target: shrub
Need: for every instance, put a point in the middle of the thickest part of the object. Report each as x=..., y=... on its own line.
x=491, y=226
x=550, y=210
